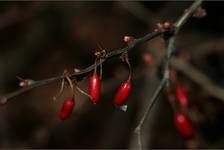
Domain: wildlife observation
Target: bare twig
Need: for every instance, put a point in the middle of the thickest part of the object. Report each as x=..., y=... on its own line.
x=198, y=51
x=85, y=71
x=188, y=13
x=148, y=109
x=170, y=49
x=6, y=97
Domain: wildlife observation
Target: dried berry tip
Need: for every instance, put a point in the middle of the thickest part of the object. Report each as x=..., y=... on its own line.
x=128, y=39
x=24, y=82
x=77, y=70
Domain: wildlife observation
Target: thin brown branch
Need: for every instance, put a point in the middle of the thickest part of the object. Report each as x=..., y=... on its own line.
x=36, y=84
x=148, y=109
x=170, y=49
x=87, y=70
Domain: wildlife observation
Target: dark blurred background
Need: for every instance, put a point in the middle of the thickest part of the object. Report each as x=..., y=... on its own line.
x=40, y=39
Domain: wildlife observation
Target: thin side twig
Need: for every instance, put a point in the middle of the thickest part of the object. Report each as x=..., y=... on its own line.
x=148, y=109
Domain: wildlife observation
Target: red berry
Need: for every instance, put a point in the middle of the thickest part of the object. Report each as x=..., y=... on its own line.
x=67, y=108
x=183, y=125
x=181, y=95
x=94, y=88
x=122, y=93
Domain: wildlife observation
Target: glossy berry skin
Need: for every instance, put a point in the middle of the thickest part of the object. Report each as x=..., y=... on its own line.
x=181, y=95
x=122, y=93
x=94, y=88
x=183, y=125
x=67, y=108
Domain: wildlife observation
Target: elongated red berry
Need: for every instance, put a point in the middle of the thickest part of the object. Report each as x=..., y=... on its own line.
x=67, y=108
x=94, y=88
x=183, y=125
x=122, y=93
x=182, y=98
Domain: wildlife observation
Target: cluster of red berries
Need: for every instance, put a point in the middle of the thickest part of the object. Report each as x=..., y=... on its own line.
x=182, y=121
x=121, y=95
x=94, y=91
